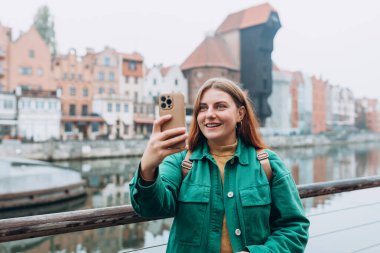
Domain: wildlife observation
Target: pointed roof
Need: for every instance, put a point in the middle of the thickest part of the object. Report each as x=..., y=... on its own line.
x=164, y=71
x=135, y=56
x=212, y=52
x=253, y=16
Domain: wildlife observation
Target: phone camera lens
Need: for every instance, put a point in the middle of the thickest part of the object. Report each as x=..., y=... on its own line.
x=169, y=101
x=163, y=105
x=163, y=99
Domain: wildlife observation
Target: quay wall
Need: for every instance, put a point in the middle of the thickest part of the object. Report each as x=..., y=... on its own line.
x=71, y=150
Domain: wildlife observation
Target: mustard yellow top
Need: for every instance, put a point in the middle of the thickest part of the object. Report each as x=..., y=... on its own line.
x=221, y=155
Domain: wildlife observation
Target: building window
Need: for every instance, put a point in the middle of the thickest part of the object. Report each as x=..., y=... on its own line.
x=85, y=92
x=111, y=76
x=39, y=104
x=117, y=107
x=154, y=81
x=40, y=72
x=72, y=110
x=95, y=127
x=26, y=71
x=136, y=80
x=107, y=61
x=79, y=77
x=64, y=76
x=72, y=76
x=72, y=91
x=84, y=110
x=101, y=90
x=101, y=76
x=8, y=104
x=109, y=106
x=126, y=79
x=68, y=127
x=111, y=91
x=126, y=107
x=126, y=129
x=136, y=96
x=132, y=65
x=31, y=54
x=176, y=82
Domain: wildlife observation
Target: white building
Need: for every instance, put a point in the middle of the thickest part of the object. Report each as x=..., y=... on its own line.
x=39, y=114
x=160, y=79
x=340, y=104
x=131, y=72
x=280, y=103
x=8, y=114
x=117, y=111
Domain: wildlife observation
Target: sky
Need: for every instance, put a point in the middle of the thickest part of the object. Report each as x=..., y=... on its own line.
x=338, y=40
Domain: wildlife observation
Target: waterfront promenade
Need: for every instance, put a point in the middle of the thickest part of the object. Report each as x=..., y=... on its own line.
x=76, y=150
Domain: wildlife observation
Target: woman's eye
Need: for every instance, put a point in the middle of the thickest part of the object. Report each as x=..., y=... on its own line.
x=220, y=107
x=202, y=108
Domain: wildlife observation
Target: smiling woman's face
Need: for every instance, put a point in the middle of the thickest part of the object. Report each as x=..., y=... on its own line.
x=218, y=116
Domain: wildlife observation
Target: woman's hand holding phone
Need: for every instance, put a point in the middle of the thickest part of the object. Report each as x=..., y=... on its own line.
x=159, y=146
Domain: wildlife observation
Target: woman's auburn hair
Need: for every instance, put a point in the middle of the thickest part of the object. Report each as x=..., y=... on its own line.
x=248, y=131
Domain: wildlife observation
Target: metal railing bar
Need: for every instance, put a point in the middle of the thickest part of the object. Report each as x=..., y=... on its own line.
x=344, y=229
x=365, y=248
x=331, y=187
x=344, y=209
x=67, y=222
x=150, y=247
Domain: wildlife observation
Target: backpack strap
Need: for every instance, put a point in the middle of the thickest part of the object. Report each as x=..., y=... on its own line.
x=186, y=164
x=262, y=156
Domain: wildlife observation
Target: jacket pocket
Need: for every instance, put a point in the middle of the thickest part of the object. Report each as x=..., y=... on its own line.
x=191, y=215
x=256, y=204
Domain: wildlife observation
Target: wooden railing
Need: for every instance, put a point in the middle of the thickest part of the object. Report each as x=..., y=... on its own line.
x=67, y=222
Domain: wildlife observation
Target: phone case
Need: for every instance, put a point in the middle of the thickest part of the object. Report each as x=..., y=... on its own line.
x=174, y=104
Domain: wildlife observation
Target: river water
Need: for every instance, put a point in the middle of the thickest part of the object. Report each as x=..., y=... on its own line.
x=346, y=222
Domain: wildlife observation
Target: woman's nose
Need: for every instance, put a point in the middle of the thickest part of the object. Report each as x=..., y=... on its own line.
x=210, y=113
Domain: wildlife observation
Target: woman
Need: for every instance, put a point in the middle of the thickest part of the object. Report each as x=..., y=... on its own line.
x=226, y=202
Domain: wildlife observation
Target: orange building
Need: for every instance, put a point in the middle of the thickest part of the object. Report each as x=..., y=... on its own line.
x=74, y=79
x=30, y=63
x=5, y=39
x=105, y=71
x=319, y=105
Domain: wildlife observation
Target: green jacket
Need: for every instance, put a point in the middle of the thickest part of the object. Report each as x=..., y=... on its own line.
x=261, y=216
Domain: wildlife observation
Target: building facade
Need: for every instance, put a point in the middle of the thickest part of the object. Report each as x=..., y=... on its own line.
x=5, y=40
x=39, y=114
x=132, y=72
x=161, y=79
x=29, y=64
x=74, y=79
x=280, y=102
x=8, y=115
x=319, y=106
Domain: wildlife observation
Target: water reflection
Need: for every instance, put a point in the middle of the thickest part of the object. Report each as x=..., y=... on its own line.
x=108, y=186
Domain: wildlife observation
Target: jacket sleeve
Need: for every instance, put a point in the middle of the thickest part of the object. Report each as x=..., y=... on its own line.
x=158, y=199
x=289, y=225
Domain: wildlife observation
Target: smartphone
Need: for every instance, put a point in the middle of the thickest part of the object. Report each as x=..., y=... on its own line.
x=174, y=104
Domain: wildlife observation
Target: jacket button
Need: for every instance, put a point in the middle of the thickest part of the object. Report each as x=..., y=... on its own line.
x=230, y=194
x=232, y=161
x=237, y=232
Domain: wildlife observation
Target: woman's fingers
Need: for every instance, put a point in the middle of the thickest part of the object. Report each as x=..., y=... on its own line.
x=158, y=123
x=171, y=133
x=174, y=140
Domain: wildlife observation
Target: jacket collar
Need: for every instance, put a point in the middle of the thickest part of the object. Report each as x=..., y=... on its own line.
x=202, y=151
